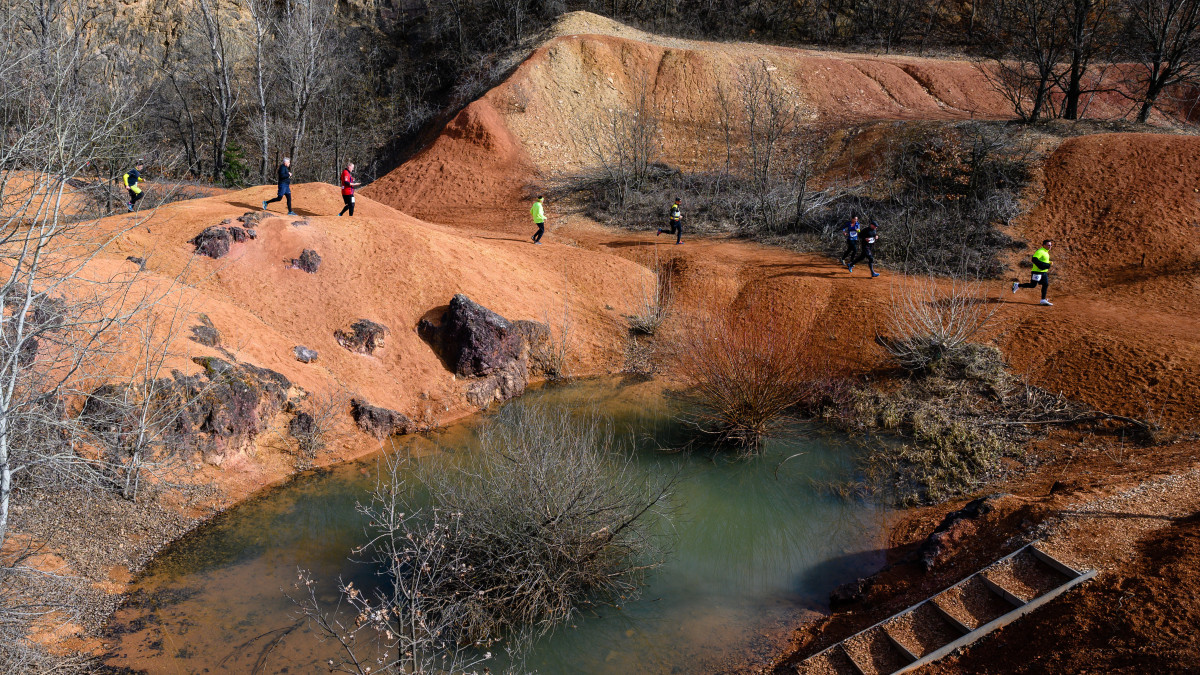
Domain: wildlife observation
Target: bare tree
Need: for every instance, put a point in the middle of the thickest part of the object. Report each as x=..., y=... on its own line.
x=1029, y=43
x=303, y=48
x=208, y=22
x=1165, y=39
x=770, y=125
x=627, y=141
x=1089, y=36
x=262, y=25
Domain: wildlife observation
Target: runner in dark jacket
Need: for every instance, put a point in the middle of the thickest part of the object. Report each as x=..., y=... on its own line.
x=866, y=243
x=851, y=231
x=285, y=185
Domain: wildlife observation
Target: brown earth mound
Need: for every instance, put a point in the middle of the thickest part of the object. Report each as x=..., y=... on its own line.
x=1124, y=333
x=380, y=265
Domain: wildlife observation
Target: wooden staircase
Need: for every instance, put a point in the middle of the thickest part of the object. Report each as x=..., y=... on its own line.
x=993, y=597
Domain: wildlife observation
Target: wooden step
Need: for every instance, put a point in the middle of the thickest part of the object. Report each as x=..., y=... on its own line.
x=953, y=618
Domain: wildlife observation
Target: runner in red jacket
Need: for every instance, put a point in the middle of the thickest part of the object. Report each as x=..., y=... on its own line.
x=348, y=186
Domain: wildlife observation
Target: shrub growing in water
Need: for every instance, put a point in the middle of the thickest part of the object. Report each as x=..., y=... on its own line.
x=548, y=516
x=746, y=371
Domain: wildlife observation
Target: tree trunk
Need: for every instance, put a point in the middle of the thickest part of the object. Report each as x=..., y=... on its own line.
x=5, y=483
x=1074, y=87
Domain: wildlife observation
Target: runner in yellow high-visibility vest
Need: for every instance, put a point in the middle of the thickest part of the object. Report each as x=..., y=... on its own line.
x=131, y=181
x=539, y=219
x=675, y=221
x=1040, y=274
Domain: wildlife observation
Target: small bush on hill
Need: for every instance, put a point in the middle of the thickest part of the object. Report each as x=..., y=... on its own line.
x=932, y=321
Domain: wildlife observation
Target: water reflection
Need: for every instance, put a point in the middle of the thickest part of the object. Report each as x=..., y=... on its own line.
x=753, y=549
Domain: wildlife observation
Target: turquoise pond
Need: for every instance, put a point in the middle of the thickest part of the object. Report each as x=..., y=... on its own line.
x=757, y=548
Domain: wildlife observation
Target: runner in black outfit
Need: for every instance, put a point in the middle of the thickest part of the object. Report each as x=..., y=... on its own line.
x=866, y=240
x=285, y=186
x=851, y=231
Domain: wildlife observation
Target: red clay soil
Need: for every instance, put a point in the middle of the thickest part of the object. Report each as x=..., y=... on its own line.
x=379, y=265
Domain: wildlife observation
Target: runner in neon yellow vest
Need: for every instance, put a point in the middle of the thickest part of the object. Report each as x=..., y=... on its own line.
x=539, y=219
x=1040, y=273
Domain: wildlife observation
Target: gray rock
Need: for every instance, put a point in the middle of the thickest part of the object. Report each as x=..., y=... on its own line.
x=480, y=340
x=309, y=261
x=476, y=342
x=206, y=333
x=213, y=242
x=304, y=354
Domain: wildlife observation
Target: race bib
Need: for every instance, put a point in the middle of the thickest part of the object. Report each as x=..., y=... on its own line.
x=351, y=199
x=1036, y=277
x=853, y=236
x=870, y=240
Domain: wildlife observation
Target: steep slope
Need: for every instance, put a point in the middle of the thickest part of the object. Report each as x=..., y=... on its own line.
x=1125, y=332
x=543, y=119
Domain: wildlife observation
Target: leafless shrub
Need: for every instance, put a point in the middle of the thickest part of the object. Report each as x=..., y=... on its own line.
x=315, y=424
x=548, y=516
x=553, y=355
x=931, y=320
x=747, y=371
x=626, y=142
x=641, y=357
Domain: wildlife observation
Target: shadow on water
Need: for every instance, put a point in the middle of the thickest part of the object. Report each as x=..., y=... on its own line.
x=754, y=548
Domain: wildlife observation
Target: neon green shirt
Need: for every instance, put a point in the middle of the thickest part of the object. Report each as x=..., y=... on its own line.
x=539, y=216
x=1041, y=261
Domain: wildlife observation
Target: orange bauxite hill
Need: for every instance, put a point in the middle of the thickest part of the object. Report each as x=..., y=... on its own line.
x=541, y=120
x=379, y=265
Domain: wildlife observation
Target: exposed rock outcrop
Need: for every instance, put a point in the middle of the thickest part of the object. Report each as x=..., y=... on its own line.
x=302, y=425
x=216, y=412
x=206, y=333
x=216, y=241
x=364, y=336
x=476, y=342
x=850, y=593
x=955, y=531
x=309, y=261
x=213, y=242
x=379, y=422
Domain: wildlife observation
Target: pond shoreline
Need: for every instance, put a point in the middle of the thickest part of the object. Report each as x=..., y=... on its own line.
x=769, y=530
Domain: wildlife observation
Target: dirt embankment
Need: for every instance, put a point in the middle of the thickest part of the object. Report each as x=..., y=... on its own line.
x=544, y=119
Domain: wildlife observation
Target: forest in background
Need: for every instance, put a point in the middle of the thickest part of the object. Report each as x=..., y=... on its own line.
x=222, y=90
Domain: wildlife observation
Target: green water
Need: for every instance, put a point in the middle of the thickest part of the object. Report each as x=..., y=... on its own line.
x=756, y=549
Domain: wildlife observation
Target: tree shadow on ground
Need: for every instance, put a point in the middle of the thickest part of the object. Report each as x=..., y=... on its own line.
x=299, y=212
